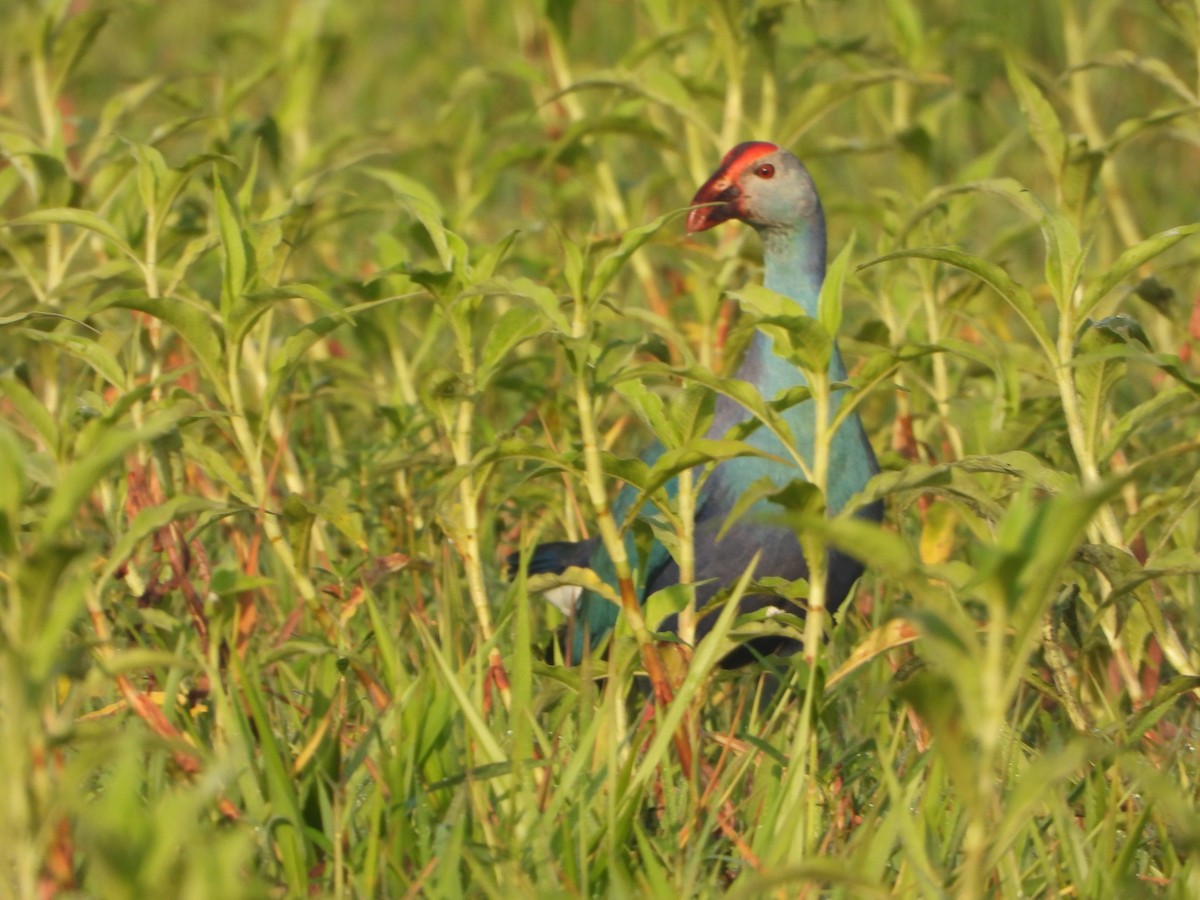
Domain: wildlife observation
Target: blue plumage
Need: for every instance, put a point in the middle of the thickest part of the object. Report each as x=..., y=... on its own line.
x=769, y=189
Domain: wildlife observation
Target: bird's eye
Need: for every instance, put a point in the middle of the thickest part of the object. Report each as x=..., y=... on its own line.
x=766, y=170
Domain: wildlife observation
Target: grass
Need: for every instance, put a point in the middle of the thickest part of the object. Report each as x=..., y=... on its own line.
x=311, y=313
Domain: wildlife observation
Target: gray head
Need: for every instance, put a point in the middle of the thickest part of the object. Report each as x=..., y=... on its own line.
x=761, y=184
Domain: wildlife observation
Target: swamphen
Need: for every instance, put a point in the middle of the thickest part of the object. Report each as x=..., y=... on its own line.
x=769, y=189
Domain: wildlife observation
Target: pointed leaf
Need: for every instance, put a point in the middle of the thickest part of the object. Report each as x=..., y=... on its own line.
x=1016, y=295
x=80, y=478
x=96, y=355
x=695, y=453
x=889, y=636
x=631, y=241
x=548, y=303
x=514, y=326
x=79, y=218
x=649, y=406
x=1132, y=259
x=215, y=465
x=233, y=251
x=194, y=325
x=12, y=490
x=744, y=393
x=829, y=307
x=31, y=409
x=424, y=206
x=148, y=521
x=1040, y=115
x=284, y=362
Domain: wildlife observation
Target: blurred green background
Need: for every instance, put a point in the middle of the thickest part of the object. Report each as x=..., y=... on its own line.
x=285, y=373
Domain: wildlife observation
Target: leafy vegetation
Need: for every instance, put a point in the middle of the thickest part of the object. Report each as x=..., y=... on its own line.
x=313, y=312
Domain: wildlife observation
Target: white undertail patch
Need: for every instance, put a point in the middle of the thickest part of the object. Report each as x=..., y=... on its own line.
x=565, y=597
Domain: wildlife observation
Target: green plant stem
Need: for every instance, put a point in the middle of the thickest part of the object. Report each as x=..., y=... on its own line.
x=468, y=500
x=732, y=54
x=1085, y=113
x=791, y=833
x=43, y=97
x=55, y=264
x=610, y=192
x=941, y=374
x=605, y=524
x=154, y=324
x=258, y=370
x=993, y=702
x=1105, y=524
x=251, y=454
x=687, y=554
x=611, y=536
x=1106, y=528
x=815, y=551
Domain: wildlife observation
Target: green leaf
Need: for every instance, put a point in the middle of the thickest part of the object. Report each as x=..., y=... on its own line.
x=505, y=334
x=1015, y=294
x=575, y=263
x=803, y=340
x=649, y=406
x=12, y=490
x=829, y=306
x=795, y=334
x=1166, y=404
x=17, y=318
x=74, y=36
x=665, y=602
x=691, y=411
x=823, y=96
x=298, y=517
x=768, y=304
x=1043, y=121
x=195, y=325
x=694, y=453
x=631, y=242
x=234, y=265
x=1019, y=464
x=152, y=171
x=1131, y=260
x=312, y=294
x=89, y=351
x=573, y=576
x=548, y=303
x=288, y=821
x=424, y=207
x=146, y=523
x=215, y=465
x=79, y=218
x=82, y=475
x=884, y=551
x=32, y=409
x=744, y=393
x=285, y=361
x=761, y=489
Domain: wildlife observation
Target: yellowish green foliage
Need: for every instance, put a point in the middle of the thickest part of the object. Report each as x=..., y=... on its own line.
x=310, y=313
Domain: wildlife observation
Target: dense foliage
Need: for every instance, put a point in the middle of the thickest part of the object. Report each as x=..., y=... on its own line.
x=311, y=313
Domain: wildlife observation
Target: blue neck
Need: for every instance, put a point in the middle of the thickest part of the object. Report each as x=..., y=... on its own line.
x=795, y=267
x=794, y=259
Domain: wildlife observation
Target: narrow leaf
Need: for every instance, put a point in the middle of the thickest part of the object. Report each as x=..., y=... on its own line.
x=80, y=218
x=1132, y=259
x=1014, y=293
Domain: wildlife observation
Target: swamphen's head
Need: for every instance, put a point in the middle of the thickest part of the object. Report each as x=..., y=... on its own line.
x=761, y=184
